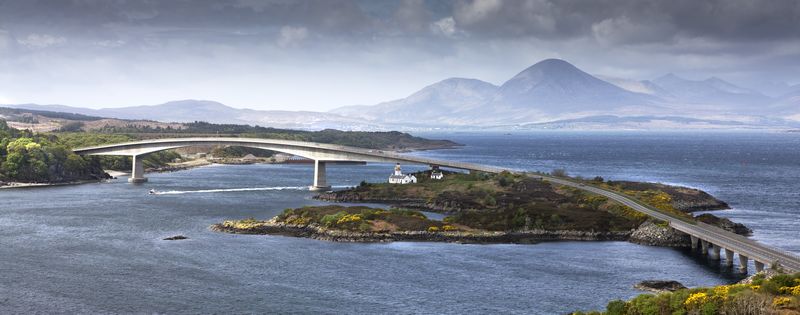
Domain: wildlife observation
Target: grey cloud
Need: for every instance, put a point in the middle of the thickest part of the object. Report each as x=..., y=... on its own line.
x=715, y=19
x=400, y=42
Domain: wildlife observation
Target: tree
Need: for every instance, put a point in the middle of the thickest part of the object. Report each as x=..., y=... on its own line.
x=75, y=165
x=559, y=172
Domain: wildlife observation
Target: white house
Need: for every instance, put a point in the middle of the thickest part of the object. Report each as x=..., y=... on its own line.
x=398, y=178
x=436, y=173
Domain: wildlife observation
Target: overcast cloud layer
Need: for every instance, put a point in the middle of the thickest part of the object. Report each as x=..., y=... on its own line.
x=317, y=55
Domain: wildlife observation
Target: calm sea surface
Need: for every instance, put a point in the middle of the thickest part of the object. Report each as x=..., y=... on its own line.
x=97, y=248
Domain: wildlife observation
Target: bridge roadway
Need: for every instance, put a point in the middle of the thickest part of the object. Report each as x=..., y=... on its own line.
x=708, y=235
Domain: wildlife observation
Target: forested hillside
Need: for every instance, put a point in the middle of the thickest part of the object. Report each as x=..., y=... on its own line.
x=38, y=158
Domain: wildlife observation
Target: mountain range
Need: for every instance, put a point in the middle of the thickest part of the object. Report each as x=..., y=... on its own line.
x=548, y=94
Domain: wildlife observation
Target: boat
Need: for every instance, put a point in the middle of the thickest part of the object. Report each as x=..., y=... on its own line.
x=152, y=192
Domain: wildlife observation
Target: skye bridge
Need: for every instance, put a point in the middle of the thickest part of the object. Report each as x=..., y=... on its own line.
x=710, y=239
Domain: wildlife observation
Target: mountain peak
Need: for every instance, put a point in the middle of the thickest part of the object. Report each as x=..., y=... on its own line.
x=552, y=65
x=669, y=77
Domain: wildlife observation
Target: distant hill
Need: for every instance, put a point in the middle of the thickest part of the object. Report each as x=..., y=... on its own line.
x=713, y=91
x=200, y=110
x=440, y=101
x=554, y=92
x=787, y=105
x=554, y=88
x=548, y=90
x=643, y=87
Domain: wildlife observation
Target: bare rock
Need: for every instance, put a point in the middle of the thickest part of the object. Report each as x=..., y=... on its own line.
x=659, y=286
x=659, y=234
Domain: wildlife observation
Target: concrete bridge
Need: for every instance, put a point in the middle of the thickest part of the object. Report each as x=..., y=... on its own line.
x=710, y=239
x=322, y=154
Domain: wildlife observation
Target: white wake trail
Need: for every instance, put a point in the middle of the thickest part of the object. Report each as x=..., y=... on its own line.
x=204, y=191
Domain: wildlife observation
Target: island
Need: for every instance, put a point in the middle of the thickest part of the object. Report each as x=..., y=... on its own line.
x=490, y=208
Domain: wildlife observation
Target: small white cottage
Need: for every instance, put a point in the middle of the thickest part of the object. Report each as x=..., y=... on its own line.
x=398, y=178
x=436, y=173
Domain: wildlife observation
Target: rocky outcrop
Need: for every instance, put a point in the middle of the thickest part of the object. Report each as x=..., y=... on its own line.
x=659, y=234
x=683, y=198
x=725, y=224
x=318, y=232
x=176, y=238
x=659, y=286
x=766, y=274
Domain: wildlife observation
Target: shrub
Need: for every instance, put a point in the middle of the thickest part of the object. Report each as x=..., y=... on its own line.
x=331, y=219
x=781, y=301
x=774, y=284
x=643, y=304
x=448, y=227
x=616, y=307
x=795, y=290
x=559, y=172
x=696, y=300
x=349, y=218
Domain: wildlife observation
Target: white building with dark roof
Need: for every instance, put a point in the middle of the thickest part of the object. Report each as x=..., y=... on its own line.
x=399, y=178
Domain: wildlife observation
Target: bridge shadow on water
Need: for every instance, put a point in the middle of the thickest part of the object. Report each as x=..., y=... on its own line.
x=731, y=273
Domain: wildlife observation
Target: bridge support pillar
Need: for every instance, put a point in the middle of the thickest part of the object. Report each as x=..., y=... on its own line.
x=715, y=252
x=320, y=178
x=703, y=247
x=742, y=263
x=759, y=266
x=137, y=174
x=694, y=243
x=728, y=257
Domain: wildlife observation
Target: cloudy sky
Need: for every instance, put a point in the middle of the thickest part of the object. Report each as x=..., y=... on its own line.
x=317, y=55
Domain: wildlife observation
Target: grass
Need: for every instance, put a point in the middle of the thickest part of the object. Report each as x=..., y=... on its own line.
x=504, y=202
x=363, y=219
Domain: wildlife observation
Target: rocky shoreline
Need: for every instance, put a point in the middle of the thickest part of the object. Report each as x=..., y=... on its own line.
x=650, y=233
x=12, y=185
x=315, y=231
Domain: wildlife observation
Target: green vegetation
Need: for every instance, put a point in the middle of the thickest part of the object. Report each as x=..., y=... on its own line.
x=360, y=219
x=777, y=295
x=502, y=202
x=37, y=158
x=238, y=152
x=119, y=163
x=391, y=140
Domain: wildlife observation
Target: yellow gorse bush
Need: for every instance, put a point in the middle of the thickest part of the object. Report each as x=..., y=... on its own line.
x=722, y=291
x=696, y=299
x=781, y=301
x=433, y=229
x=349, y=218
x=449, y=228
x=795, y=290
x=242, y=224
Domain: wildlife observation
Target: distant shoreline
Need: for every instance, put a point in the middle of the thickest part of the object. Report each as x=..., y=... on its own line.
x=13, y=185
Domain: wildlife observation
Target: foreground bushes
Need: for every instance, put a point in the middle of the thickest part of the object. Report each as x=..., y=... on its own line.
x=779, y=294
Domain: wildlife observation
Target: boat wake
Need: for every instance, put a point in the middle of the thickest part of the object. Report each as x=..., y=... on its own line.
x=222, y=190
